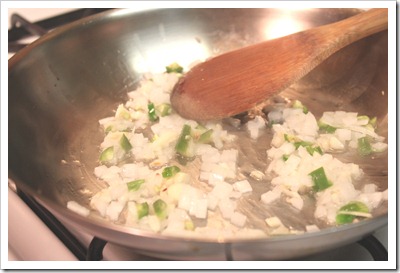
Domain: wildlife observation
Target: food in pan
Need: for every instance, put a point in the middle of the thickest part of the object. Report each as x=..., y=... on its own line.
x=175, y=176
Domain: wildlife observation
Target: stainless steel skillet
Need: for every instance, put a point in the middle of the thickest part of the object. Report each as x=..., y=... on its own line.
x=61, y=85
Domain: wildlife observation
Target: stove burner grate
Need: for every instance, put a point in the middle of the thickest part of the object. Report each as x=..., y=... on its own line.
x=22, y=28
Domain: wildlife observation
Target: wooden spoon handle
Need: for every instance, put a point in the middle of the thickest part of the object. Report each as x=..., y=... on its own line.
x=364, y=24
x=237, y=81
x=342, y=33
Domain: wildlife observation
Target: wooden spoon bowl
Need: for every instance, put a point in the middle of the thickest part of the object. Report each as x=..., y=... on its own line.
x=237, y=81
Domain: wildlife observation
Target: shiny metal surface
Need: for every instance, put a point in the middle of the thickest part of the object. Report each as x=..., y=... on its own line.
x=61, y=85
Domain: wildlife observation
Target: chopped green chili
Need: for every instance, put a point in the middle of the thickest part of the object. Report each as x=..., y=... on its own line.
x=152, y=112
x=364, y=146
x=290, y=138
x=108, y=129
x=205, y=137
x=170, y=171
x=142, y=209
x=320, y=180
x=189, y=225
x=125, y=144
x=326, y=127
x=372, y=122
x=174, y=68
x=312, y=149
x=355, y=206
x=107, y=154
x=160, y=208
x=298, y=104
x=123, y=113
x=164, y=109
x=182, y=146
x=302, y=143
x=135, y=185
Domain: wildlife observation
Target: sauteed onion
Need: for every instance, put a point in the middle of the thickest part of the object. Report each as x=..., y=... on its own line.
x=175, y=176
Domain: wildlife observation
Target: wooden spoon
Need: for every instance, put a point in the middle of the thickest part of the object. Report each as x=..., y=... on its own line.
x=237, y=81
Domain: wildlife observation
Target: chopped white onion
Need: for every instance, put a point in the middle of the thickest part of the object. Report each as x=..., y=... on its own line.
x=75, y=207
x=242, y=186
x=238, y=219
x=293, y=155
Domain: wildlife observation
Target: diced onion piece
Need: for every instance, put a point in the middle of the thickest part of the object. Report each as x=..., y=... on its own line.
x=372, y=200
x=132, y=214
x=198, y=208
x=79, y=209
x=258, y=175
x=182, y=177
x=222, y=190
x=242, y=186
x=238, y=219
x=100, y=202
x=369, y=188
x=254, y=126
x=154, y=223
x=175, y=191
x=281, y=230
x=270, y=196
x=122, y=112
x=114, y=209
x=188, y=198
x=343, y=134
x=379, y=147
x=275, y=116
x=336, y=144
x=212, y=201
x=227, y=208
x=204, y=176
x=312, y=228
x=296, y=202
x=273, y=222
x=215, y=178
x=235, y=195
x=229, y=155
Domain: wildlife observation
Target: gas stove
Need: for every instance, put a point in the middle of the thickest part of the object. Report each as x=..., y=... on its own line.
x=34, y=234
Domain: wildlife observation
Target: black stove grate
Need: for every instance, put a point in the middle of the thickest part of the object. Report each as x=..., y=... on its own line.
x=22, y=28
